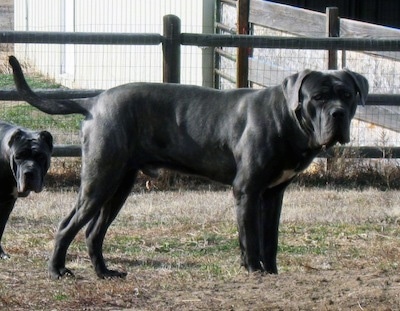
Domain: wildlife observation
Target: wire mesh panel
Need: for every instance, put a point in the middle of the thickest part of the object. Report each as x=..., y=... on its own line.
x=374, y=125
x=99, y=66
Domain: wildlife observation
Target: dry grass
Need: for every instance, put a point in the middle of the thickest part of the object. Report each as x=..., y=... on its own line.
x=338, y=250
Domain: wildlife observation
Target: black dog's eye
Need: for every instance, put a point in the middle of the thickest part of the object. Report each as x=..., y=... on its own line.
x=346, y=95
x=320, y=96
x=22, y=155
x=39, y=157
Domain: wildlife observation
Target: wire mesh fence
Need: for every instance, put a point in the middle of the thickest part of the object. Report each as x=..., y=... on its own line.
x=92, y=64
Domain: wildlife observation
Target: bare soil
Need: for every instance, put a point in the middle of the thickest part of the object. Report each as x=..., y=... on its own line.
x=339, y=250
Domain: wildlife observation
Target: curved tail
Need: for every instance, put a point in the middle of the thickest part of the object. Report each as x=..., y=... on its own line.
x=50, y=106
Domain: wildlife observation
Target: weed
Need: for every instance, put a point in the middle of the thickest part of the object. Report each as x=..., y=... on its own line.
x=60, y=296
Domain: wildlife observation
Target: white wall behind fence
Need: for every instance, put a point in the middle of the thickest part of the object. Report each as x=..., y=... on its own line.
x=104, y=66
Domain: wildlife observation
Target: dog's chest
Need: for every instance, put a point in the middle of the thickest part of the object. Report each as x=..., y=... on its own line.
x=284, y=176
x=288, y=174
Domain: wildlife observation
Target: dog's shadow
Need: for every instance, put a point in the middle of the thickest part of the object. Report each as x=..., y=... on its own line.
x=146, y=262
x=154, y=263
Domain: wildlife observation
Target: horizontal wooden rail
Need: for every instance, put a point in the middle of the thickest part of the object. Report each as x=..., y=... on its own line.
x=338, y=151
x=209, y=40
x=274, y=42
x=12, y=95
x=225, y=75
x=362, y=152
x=225, y=54
x=225, y=28
x=80, y=38
x=67, y=151
x=383, y=100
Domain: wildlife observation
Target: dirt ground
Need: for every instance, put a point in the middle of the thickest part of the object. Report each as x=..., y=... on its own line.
x=339, y=250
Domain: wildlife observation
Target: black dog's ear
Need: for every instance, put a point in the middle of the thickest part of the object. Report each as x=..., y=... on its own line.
x=48, y=138
x=362, y=84
x=291, y=88
x=16, y=135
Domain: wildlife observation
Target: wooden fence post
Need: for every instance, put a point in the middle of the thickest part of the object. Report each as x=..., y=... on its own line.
x=242, y=59
x=172, y=49
x=332, y=30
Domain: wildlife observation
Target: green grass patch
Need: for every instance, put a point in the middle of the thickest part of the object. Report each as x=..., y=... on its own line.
x=34, y=81
x=174, y=246
x=60, y=296
x=322, y=239
x=28, y=116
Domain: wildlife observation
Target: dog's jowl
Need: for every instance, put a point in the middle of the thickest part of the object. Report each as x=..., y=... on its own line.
x=255, y=140
x=24, y=161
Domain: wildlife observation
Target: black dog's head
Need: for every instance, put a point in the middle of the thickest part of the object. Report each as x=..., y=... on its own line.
x=29, y=159
x=325, y=102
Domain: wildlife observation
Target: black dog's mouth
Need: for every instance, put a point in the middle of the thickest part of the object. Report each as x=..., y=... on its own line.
x=341, y=135
x=336, y=133
x=342, y=131
x=343, y=141
x=28, y=181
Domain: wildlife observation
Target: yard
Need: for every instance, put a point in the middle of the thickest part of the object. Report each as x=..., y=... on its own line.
x=339, y=246
x=339, y=250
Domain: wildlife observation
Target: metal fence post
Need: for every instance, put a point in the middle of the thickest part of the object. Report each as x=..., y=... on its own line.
x=172, y=49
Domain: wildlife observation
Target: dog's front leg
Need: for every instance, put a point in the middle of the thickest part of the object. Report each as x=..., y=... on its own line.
x=246, y=211
x=6, y=207
x=269, y=215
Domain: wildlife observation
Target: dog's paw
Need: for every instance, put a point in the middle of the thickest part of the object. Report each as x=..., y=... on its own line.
x=59, y=273
x=4, y=256
x=111, y=274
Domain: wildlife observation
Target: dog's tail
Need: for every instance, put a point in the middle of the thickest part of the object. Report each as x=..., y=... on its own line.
x=50, y=106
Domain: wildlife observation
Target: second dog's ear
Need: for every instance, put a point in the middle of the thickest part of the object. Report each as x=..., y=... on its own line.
x=48, y=138
x=16, y=135
x=291, y=88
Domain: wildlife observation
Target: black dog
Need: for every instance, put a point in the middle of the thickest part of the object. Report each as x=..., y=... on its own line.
x=255, y=140
x=24, y=161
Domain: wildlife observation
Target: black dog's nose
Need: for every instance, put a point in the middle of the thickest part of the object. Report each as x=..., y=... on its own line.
x=28, y=174
x=338, y=113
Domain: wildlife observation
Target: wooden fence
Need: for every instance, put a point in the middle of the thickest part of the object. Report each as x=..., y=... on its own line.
x=295, y=22
x=171, y=41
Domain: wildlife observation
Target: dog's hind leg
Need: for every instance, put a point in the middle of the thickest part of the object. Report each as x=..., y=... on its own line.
x=86, y=208
x=98, y=226
x=67, y=231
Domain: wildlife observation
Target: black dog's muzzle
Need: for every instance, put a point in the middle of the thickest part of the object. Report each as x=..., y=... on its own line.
x=338, y=114
x=340, y=124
